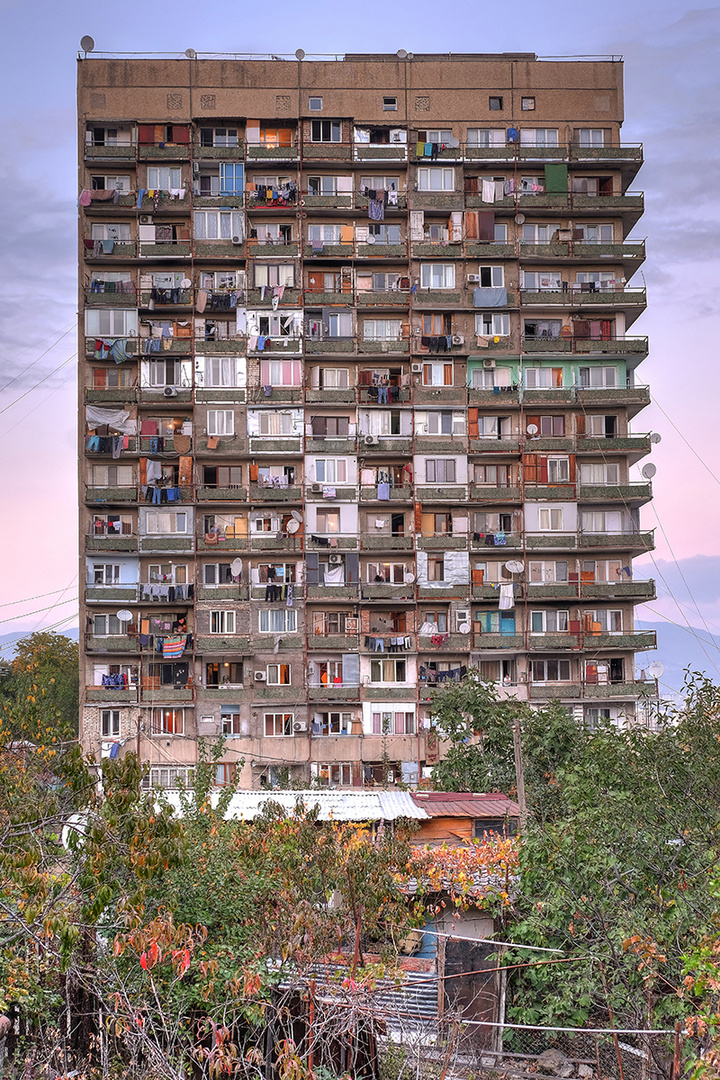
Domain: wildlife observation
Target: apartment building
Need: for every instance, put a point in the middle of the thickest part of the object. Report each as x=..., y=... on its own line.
x=357, y=380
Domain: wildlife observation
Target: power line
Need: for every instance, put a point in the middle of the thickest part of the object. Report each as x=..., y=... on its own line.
x=689, y=445
x=38, y=359
x=29, y=599
x=27, y=614
x=39, y=404
x=39, y=383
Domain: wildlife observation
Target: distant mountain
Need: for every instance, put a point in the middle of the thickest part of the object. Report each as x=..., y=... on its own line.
x=679, y=649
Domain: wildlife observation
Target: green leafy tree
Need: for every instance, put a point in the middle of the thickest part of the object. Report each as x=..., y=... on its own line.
x=43, y=685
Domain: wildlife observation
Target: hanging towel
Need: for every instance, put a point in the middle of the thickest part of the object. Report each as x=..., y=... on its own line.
x=507, y=597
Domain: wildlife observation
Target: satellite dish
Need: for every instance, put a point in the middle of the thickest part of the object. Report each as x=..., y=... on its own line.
x=300, y=54
x=186, y=283
x=87, y=44
x=124, y=615
x=520, y=219
x=296, y=514
x=655, y=437
x=191, y=54
x=370, y=240
x=514, y=566
x=401, y=54
x=453, y=141
x=236, y=567
x=293, y=525
x=655, y=670
x=532, y=429
x=649, y=470
x=410, y=56
x=409, y=578
x=464, y=628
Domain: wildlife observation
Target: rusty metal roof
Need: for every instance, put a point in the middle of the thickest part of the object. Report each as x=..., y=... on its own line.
x=463, y=804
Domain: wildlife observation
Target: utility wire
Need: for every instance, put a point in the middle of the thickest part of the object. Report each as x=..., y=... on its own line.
x=689, y=445
x=37, y=360
x=39, y=404
x=29, y=599
x=27, y=614
x=39, y=383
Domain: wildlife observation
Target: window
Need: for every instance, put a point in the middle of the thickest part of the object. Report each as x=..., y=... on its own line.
x=315, y=104
x=329, y=775
x=399, y=722
x=327, y=623
x=436, y=568
x=549, y=622
x=281, y=372
x=389, y=104
x=110, y=723
x=491, y=277
x=602, y=622
x=550, y=670
x=231, y=178
x=330, y=427
x=331, y=470
x=326, y=131
x=111, y=525
x=492, y=475
x=277, y=724
x=225, y=526
x=390, y=670
x=542, y=329
x=527, y=104
x=436, y=179
x=434, y=135
x=440, y=470
x=486, y=137
x=324, y=234
x=165, y=523
x=278, y=674
x=272, y=233
x=595, y=234
x=590, y=136
x=437, y=276
x=222, y=476
x=164, y=178
x=388, y=573
x=550, y=519
x=596, y=717
x=495, y=104
x=111, y=322
x=169, y=573
x=382, y=329
x=594, y=377
x=601, y=570
x=492, y=522
x=548, y=573
x=543, y=378
x=329, y=185
x=222, y=622
x=558, y=470
x=119, y=233
x=551, y=426
x=230, y=719
x=539, y=137
x=275, y=424
x=112, y=476
x=601, y=521
x=332, y=723
x=219, y=224
x=277, y=621
x=494, y=427
x=492, y=324
x=223, y=673
x=440, y=422
x=327, y=521
x=538, y=234
x=218, y=136
x=333, y=378
x=541, y=281
x=274, y=274
x=384, y=183
x=168, y=721
x=220, y=422
x=384, y=234
x=106, y=574
x=602, y=474
x=221, y=371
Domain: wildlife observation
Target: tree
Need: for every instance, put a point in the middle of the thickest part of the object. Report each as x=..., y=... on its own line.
x=43, y=673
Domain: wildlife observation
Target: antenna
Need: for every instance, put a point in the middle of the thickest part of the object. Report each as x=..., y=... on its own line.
x=191, y=54
x=87, y=44
x=649, y=470
x=514, y=566
x=532, y=429
x=299, y=54
x=656, y=437
x=655, y=670
x=402, y=54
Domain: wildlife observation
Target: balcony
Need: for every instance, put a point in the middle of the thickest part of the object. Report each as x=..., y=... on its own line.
x=224, y=346
x=328, y=251
x=270, y=494
x=381, y=152
x=327, y=151
x=179, y=346
x=435, y=297
x=646, y=639
x=100, y=694
x=369, y=493
x=635, y=445
x=314, y=346
x=450, y=643
x=627, y=346
x=260, y=444
x=332, y=642
x=153, y=691
x=112, y=594
x=505, y=445
x=385, y=591
x=330, y=446
x=440, y=395
x=499, y=395
x=391, y=444
x=171, y=249
x=332, y=592
x=221, y=544
x=256, y=298
x=219, y=153
x=385, y=542
x=436, y=200
x=283, y=346
x=97, y=496
x=219, y=249
x=334, y=693
x=489, y=251
x=574, y=297
x=626, y=493
x=130, y=344
x=395, y=298
x=342, y=200
x=126, y=153
x=315, y=492
x=275, y=542
x=443, y=542
x=272, y=251
x=164, y=152
x=512, y=540
x=495, y=495
x=437, y=250
x=223, y=593
x=497, y=641
x=335, y=542
x=348, y=396
x=119, y=643
x=382, y=251
x=166, y=543
x=432, y=493
x=593, y=691
x=260, y=153
x=277, y=693
x=280, y=395
x=111, y=543
x=635, y=541
x=221, y=494
x=397, y=396
x=222, y=643
x=630, y=395
x=437, y=444
x=93, y=298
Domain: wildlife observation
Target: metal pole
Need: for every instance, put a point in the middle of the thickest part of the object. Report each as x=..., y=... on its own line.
x=519, y=773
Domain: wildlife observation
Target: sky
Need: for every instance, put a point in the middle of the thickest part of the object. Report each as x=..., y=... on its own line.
x=672, y=90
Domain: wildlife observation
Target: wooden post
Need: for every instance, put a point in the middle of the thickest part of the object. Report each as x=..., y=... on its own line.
x=676, y=1057
x=519, y=773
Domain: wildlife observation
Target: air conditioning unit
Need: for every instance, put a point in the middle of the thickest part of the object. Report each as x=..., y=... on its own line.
x=352, y=626
x=488, y=363
x=317, y=488
x=260, y=676
x=334, y=559
x=473, y=279
x=146, y=219
x=170, y=391
x=237, y=240
x=416, y=369
x=458, y=339
x=371, y=440
x=196, y=168
x=299, y=726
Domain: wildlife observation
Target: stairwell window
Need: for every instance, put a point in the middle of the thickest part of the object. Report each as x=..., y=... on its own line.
x=492, y=325
x=220, y=422
x=168, y=721
x=440, y=470
x=278, y=724
x=549, y=622
x=222, y=622
x=327, y=131
x=110, y=723
x=388, y=671
x=164, y=178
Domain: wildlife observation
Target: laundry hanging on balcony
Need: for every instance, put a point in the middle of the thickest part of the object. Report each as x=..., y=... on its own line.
x=119, y=419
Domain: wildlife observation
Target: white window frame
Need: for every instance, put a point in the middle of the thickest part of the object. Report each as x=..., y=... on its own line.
x=436, y=179
x=222, y=621
x=550, y=518
x=444, y=272
x=110, y=723
x=289, y=620
x=221, y=423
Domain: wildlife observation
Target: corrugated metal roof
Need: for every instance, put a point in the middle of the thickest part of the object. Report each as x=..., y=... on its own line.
x=464, y=804
x=334, y=805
